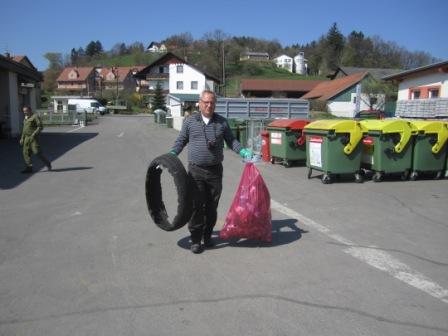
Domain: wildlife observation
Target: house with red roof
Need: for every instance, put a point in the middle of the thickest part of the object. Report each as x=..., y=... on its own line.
x=20, y=84
x=277, y=88
x=117, y=80
x=344, y=95
x=78, y=81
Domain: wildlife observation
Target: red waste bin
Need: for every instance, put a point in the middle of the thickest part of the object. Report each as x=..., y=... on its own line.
x=265, y=152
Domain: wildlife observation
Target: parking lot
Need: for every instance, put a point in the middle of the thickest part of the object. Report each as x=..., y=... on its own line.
x=79, y=254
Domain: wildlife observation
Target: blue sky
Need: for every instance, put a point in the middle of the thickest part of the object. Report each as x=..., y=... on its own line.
x=34, y=27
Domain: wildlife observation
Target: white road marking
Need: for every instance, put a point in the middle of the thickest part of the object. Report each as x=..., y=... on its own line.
x=373, y=257
x=73, y=130
x=120, y=135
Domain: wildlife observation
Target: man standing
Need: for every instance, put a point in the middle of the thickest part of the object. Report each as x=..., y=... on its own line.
x=32, y=126
x=205, y=134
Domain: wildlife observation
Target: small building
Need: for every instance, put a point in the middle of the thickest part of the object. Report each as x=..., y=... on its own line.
x=284, y=62
x=254, y=56
x=377, y=73
x=277, y=88
x=423, y=91
x=20, y=84
x=156, y=47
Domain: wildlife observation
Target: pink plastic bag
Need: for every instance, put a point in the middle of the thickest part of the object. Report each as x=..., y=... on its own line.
x=249, y=215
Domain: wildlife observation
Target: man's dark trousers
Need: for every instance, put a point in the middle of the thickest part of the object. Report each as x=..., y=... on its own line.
x=207, y=188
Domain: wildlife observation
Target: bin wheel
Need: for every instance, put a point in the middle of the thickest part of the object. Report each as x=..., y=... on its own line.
x=287, y=163
x=413, y=176
x=359, y=178
x=326, y=179
x=438, y=175
x=272, y=160
x=405, y=175
x=377, y=177
x=310, y=171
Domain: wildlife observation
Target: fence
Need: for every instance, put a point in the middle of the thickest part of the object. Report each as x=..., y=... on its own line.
x=71, y=117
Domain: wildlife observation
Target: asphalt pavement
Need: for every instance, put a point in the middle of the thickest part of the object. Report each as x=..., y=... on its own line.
x=80, y=255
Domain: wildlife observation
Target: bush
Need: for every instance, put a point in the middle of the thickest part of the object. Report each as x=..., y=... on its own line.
x=318, y=105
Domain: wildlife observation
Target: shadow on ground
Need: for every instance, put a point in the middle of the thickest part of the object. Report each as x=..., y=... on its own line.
x=53, y=145
x=284, y=231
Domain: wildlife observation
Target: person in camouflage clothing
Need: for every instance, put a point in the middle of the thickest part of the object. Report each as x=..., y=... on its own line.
x=32, y=126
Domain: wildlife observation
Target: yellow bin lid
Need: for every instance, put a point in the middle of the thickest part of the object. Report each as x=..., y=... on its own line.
x=386, y=126
x=353, y=127
x=433, y=127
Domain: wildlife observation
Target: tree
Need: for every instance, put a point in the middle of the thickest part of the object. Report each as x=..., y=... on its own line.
x=377, y=92
x=158, y=101
x=55, y=67
x=333, y=46
x=94, y=48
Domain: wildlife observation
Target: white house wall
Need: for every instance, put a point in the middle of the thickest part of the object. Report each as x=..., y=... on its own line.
x=347, y=109
x=428, y=80
x=14, y=107
x=188, y=75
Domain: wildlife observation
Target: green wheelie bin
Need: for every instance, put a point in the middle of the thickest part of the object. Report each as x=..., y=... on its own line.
x=430, y=148
x=388, y=147
x=287, y=141
x=334, y=147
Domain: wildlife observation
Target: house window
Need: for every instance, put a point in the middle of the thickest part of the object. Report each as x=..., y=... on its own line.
x=415, y=94
x=433, y=93
x=194, y=85
x=180, y=85
x=180, y=69
x=161, y=69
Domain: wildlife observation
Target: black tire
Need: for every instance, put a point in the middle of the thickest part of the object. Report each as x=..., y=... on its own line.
x=153, y=190
x=413, y=176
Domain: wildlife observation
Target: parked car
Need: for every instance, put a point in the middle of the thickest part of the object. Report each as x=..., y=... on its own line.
x=370, y=114
x=87, y=105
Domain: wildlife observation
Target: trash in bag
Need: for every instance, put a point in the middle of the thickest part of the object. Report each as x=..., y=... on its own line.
x=249, y=215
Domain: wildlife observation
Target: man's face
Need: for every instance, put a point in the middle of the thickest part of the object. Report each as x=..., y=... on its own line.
x=26, y=111
x=207, y=105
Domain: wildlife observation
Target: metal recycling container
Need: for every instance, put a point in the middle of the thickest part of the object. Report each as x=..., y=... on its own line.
x=388, y=147
x=169, y=121
x=430, y=148
x=287, y=141
x=334, y=147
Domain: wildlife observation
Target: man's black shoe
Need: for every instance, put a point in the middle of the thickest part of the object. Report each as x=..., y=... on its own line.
x=196, y=248
x=209, y=242
x=27, y=170
x=49, y=167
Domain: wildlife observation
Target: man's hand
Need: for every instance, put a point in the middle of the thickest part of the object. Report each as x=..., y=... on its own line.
x=246, y=153
x=21, y=142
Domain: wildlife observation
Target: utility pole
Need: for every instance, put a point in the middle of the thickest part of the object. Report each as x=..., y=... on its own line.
x=223, y=70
